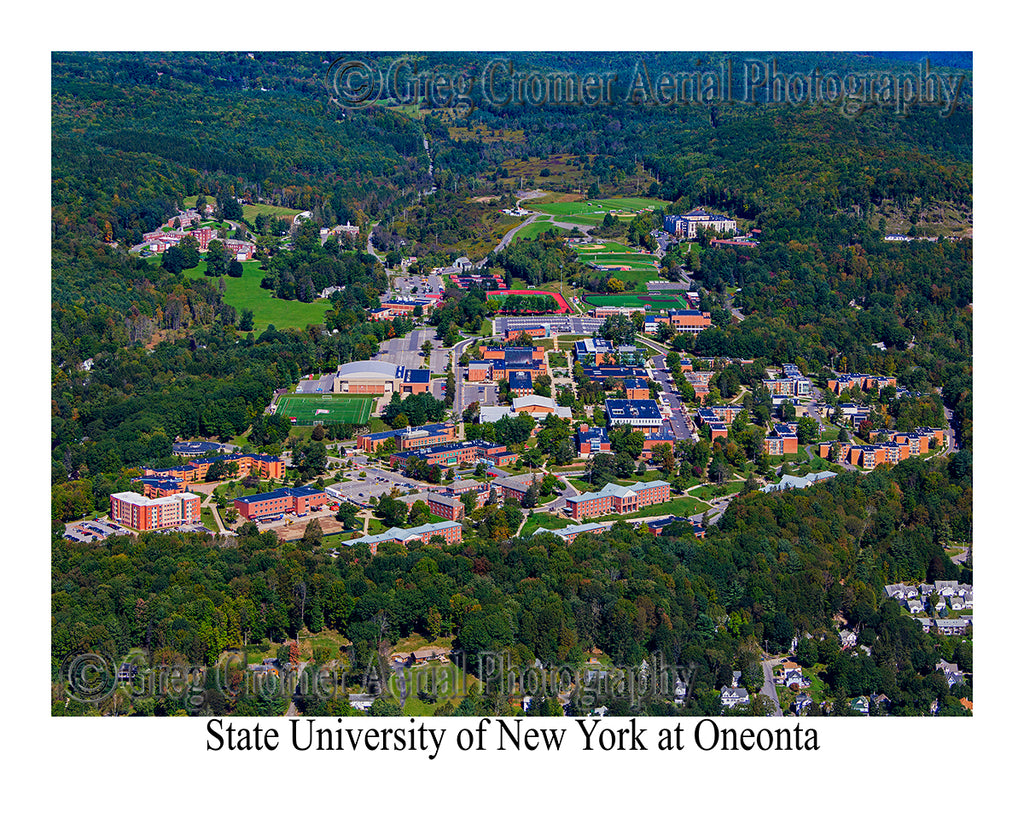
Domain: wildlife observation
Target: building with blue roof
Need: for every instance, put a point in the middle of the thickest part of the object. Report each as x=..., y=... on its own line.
x=642, y=414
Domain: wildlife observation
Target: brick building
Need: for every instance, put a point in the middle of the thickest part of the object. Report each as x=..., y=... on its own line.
x=409, y=438
x=442, y=505
x=195, y=471
x=617, y=499
x=689, y=321
x=148, y=514
x=459, y=453
x=298, y=500
x=451, y=531
x=782, y=441
x=636, y=389
x=642, y=415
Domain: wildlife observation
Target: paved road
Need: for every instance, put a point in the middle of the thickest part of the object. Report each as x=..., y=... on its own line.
x=769, y=687
x=678, y=419
x=406, y=350
x=508, y=237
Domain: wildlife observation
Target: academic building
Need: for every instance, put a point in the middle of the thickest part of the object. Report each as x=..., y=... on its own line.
x=617, y=499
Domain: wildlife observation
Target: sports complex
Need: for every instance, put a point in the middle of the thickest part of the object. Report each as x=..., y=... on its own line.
x=308, y=410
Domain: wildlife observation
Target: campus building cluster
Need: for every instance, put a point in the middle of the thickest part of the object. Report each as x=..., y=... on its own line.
x=408, y=438
x=500, y=363
x=148, y=514
x=899, y=447
x=158, y=483
x=615, y=499
x=717, y=419
x=164, y=238
x=700, y=380
x=441, y=504
x=460, y=452
x=790, y=383
x=687, y=225
x=846, y=381
x=380, y=378
x=396, y=306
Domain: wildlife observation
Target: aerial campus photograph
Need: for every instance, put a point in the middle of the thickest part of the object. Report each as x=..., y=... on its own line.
x=514, y=384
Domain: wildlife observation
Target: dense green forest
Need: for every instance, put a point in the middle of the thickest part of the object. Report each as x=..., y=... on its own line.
x=143, y=353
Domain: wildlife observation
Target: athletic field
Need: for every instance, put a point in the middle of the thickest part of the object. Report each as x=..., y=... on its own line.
x=307, y=410
x=656, y=302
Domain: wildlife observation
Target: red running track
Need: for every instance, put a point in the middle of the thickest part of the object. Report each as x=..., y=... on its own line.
x=563, y=305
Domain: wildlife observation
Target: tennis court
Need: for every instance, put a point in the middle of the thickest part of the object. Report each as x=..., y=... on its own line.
x=307, y=410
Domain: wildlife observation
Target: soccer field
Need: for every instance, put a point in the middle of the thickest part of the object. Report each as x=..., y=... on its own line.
x=307, y=410
x=658, y=302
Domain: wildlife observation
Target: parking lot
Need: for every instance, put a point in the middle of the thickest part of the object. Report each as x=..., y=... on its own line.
x=406, y=351
x=377, y=482
x=430, y=284
x=90, y=530
x=316, y=385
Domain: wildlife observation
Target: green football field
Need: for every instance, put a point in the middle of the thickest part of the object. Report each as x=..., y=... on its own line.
x=307, y=410
x=652, y=302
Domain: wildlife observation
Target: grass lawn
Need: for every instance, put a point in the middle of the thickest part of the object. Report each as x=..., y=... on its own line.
x=331, y=640
x=536, y=228
x=817, y=689
x=591, y=221
x=245, y=293
x=310, y=409
x=240, y=491
x=591, y=207
x=206, y=515
x=542, y=519
x=684, y=507
x=717, y=491
x=250, y=212
x=447, y=681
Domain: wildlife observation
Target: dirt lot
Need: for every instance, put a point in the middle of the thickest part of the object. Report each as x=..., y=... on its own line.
x=294, y=531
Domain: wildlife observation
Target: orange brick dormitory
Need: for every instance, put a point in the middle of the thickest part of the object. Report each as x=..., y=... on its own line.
x=149, y=514
x=899, y=447
x=296, y=501
x=159, y=483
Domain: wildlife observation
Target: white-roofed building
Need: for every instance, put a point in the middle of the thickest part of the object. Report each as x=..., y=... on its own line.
x=379, y=378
